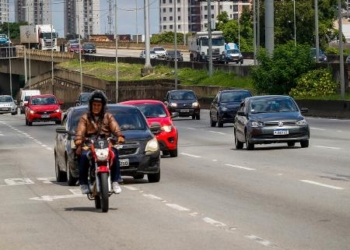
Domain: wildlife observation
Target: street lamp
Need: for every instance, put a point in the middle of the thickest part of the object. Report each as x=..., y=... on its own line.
x=10, y=55
x=137, y=32
x=295, y=26
x=116, y=54
x=52, y=76
x=175, y=43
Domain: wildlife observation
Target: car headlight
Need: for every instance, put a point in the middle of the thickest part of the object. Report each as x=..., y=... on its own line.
x=167, y=128
x=31, y=111
x=195, y=104
x=57, y=110
x=224, y=109
x=301, y=122
x=256, y=124
x=152, y=146
x=173, y=104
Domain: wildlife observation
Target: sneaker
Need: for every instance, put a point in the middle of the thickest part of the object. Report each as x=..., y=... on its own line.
x=85, y=189
x=116, y=188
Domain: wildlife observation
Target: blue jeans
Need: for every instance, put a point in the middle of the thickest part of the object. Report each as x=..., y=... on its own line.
x=84, y=167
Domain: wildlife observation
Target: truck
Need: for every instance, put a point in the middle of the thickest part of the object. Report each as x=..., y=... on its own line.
x=24, y=97
x=42, y=37
x=199, y=46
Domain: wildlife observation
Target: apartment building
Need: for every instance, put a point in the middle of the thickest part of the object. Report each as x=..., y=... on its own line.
x=33, y=11
x=4, y=11
x=82, y=17
x=192, y=15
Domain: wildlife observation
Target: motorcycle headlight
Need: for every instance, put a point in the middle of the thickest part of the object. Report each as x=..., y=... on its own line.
x=102, y=154
x=301, y=122
x=195, y=104
x=152, y=146
x=173, y=104
x=256, y=124
x=167, y=128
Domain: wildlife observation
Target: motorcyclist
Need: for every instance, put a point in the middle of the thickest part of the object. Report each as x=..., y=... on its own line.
x=97, y=122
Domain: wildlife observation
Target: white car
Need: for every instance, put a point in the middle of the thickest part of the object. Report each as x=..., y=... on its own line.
x=7, y=105
x=160, y=51
x=152, y=55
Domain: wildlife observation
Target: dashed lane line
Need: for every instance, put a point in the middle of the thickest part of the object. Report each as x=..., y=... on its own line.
x=240, y=167
x=190, y=155
x=322, y=185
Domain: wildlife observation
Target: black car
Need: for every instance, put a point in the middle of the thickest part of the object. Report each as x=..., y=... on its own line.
x=139, y=155
x=224, y=106
x=270, y=119
x=89, y=48
x=184, y=102
x=83, y=99
x=170, y=55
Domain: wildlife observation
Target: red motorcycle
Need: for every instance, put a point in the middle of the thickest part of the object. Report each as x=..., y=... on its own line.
x=99, y=178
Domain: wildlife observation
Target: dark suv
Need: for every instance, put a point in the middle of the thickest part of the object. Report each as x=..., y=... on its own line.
x=184, y=102
x=224, y=107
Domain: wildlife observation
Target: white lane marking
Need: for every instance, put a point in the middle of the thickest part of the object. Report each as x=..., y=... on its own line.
x=153, y=197
x=177, y=207
x=46, y=180
x=215, y=132
x=319, y=146
x=18, y=181
x=75, y=191
x=321, y=129
x=131, y=188
x=56, y=197
x=240, y=167
x=1, y=134
x=215, y=160
x=322, y=185
x=263, y=242
x=213, y=222
x=195, y=156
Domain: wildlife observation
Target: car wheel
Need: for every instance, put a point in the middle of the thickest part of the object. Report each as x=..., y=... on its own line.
x=212, y=123
x=138, y=176
x=14, y=113
x=193, y=117
x=220, y=124
x=250, y=146
x=30, y=123
x=154, y=177
x=166, y=152
x=238, y=144
x=173, y=153
x=304, y=144
x=58, y=122
x=198, y=116
x=26, y=122
x=71, y=180
x=60, y=175
x=291, y=144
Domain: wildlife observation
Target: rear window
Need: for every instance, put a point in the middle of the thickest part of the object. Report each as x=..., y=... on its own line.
x=152, y=110
x=43, y=101
x=234, y=96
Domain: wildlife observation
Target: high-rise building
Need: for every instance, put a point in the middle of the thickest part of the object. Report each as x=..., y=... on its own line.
x=33, y=11
x=82, y=17
x=192, y=15
x=4, y=11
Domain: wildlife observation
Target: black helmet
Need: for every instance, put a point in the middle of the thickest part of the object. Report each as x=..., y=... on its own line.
x=98, y=96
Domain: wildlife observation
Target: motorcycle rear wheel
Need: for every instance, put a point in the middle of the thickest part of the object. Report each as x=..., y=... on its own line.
x=104, y=194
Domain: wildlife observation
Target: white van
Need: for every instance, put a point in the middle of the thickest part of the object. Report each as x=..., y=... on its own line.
x=25, y=94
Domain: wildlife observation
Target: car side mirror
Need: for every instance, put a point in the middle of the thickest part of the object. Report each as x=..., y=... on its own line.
x=155, y=128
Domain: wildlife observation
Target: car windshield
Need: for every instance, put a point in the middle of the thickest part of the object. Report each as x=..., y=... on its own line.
x=233, y=51
x=74, y=46
x=43, y=101
x=272, y=105
x=152, y=110
x=215, y=41
x=85, y=97
x=3, y=36
x=234, y=96
x=89, y=46
x=183, y=95
x=159, y=49
x=6, y=99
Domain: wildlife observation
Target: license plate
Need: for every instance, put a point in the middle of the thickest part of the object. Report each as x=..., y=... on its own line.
x=124, y=162
x=184, y=110
x=280, y=132
x=4, y=108
x=45, y=116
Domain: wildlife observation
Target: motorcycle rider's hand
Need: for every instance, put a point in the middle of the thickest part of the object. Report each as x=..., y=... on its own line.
x=78, y=150
x=121, y=139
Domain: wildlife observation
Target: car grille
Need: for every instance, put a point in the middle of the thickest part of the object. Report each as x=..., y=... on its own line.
x=275, y=123
x=271, y=136
x=45, y=112
x=129, y=149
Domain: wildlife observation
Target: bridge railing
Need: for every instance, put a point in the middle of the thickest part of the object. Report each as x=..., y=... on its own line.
x=45, y=55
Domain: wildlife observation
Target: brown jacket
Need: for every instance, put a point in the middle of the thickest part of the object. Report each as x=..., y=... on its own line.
x=88, y=127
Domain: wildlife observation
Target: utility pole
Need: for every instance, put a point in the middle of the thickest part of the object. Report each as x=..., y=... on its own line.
x=116, y=53
x=317, y=45
x=52, y=48
x=9, y=55
x=269, y=24
x=341, y=59
x=210, y=55
x=175, y=43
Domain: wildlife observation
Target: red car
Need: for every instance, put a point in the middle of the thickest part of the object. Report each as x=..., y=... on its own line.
x=75, y=47
x=156, y=111
x=43, y=108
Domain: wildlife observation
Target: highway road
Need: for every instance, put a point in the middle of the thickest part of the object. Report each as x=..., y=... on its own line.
x=210, y=197
x=136, y=53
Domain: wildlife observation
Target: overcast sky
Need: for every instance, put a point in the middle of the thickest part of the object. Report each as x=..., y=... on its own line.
x=126, y=16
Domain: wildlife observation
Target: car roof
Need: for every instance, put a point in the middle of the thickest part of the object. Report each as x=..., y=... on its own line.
x=43, y=95
x=234, y=90
x=122, y=107
x=268, y=96
x=181, y=90
x=133, y=102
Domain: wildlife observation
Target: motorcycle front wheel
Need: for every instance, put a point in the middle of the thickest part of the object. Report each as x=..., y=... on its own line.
x=104, y=194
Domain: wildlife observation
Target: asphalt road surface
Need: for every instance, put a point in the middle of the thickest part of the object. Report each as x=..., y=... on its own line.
x=210, y=197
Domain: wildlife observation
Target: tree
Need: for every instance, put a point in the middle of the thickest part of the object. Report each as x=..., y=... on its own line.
x=13, y=28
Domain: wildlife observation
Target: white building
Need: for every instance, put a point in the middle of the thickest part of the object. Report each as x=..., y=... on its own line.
x=192, y=15
x=33, y=11
x=82, y=17
x=4, y=11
